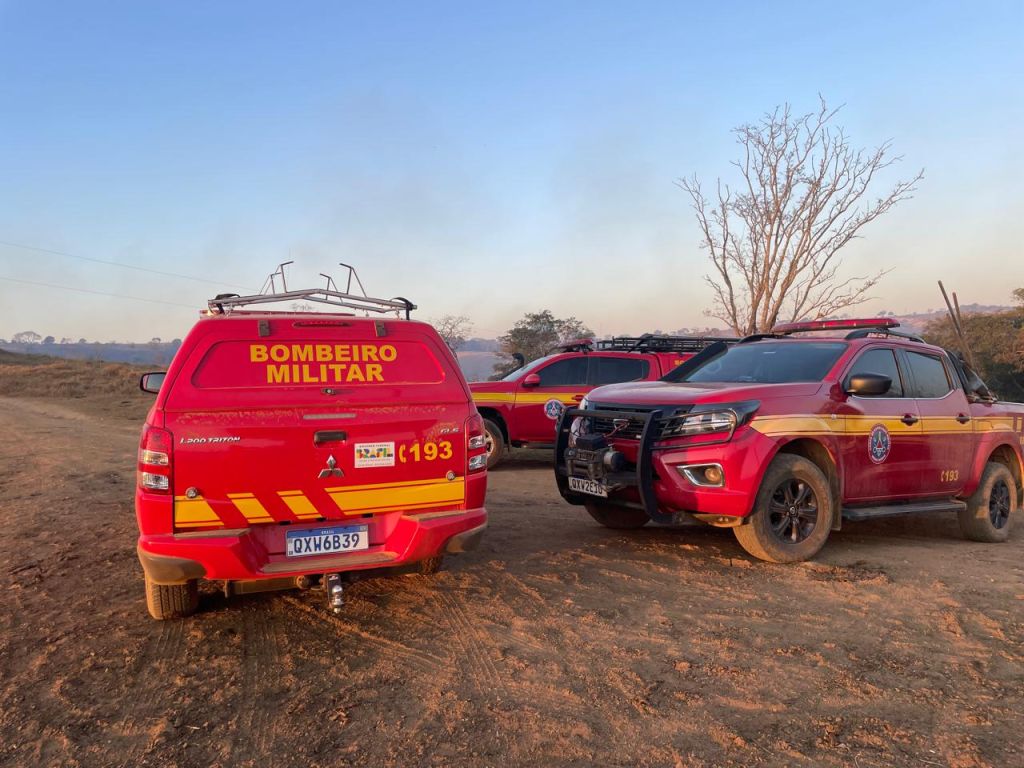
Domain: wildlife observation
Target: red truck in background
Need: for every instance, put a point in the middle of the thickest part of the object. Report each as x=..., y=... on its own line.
x=782, y=437
x=521, y=409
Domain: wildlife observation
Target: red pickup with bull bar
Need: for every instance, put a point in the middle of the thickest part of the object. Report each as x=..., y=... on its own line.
x=291, y=449
x=522, y=409
x=783, y=436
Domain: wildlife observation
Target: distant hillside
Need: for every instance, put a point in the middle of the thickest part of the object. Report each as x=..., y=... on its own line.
x=154, y=354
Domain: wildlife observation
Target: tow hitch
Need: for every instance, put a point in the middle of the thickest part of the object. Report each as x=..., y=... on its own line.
x=335, y=590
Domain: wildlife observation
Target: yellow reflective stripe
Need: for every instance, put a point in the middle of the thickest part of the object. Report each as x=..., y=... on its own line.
x=250, y=507
x=524, y=398
x=419, y=495
x=493, y=397
x=300, y=506
x=194, y=512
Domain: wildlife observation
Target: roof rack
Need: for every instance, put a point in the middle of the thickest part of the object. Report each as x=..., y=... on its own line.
x=650, y=342
x=863, y=333
x=329, y=295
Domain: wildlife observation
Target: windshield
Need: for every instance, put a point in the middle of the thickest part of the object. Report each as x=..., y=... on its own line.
x=525, y=369
x=765, y=362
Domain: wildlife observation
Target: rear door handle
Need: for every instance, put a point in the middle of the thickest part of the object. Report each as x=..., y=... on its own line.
x=963, y=418
x=329, y=436
x=909, y=419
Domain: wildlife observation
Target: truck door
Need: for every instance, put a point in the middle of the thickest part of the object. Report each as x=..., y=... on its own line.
x=883, y=452
x=946, y=422
x=560, y=383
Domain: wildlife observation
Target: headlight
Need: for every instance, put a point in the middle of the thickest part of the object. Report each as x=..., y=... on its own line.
x=701, y=424
x=584, y=404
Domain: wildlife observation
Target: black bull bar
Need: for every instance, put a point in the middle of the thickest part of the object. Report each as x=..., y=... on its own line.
x=642, y=478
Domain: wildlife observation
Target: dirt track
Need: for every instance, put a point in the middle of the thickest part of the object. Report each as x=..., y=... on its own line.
x=557, y=643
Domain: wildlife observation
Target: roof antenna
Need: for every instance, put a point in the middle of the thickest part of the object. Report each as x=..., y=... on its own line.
x=958, y=324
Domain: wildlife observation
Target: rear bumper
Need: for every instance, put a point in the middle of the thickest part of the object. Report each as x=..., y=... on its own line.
x=256, y=553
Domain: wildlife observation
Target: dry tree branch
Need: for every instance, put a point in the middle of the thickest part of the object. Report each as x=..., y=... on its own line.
x=775, y=242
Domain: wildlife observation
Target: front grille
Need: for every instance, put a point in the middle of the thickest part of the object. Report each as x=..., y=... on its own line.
x=633, y=429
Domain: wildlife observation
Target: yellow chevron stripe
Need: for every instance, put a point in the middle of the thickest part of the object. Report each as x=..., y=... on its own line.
x=250, y=507
x=419, y=495
x=194, y=513
x=300, y=506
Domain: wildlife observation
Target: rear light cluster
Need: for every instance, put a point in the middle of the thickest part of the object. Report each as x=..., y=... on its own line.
x=155, y=460
x=476, y=443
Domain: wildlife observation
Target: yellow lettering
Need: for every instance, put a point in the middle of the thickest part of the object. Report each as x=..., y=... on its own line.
x=387, y=353
x=370, y=353
x=308, y=377
x=323, y=353
x=355, y=373
x=302, y=352
x=336, y=369
x=278, y=374
x=296, y=373
x=342, y=352
x=279, y=353
x=374, y=372
x=257, y=353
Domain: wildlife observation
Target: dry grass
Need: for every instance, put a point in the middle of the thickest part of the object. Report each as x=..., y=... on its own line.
x=96, y=386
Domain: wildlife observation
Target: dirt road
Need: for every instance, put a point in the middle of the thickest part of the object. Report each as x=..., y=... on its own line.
x=558, y=643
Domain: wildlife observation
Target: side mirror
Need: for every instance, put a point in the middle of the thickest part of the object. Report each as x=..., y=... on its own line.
x=868, y=384
x=533, y=380
x=151, y=382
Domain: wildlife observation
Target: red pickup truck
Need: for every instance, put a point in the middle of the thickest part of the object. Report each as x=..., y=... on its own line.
x=783, y=437
x=521, y=410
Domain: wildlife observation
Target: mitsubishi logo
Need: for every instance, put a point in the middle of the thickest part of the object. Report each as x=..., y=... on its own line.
x=332, y=469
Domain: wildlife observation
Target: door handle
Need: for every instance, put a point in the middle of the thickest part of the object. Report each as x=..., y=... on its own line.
x=329, y=436
x=963, y=418
x=909, y=419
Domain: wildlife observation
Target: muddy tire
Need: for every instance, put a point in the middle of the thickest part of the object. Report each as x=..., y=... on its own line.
x=495, y=443
x=792, y=514
x=172, y=601
x=990, y=509
x=431, y=565
x=618, y=518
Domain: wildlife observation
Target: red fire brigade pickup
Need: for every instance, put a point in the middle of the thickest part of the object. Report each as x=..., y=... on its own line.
x=290, y=449
x=521, y=410
x=783, y=437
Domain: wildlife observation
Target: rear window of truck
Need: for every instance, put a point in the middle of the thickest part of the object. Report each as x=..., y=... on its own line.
x=766, y=362
x=254, y=364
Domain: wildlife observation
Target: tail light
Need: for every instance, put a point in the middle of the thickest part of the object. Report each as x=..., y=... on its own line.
x=155, y=460
x=476, y=443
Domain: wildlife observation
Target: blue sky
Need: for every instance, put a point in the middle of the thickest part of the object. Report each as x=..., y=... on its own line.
x=482, y=159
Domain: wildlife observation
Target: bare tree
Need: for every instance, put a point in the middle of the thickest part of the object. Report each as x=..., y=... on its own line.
x=774, y=241
x=454, y=329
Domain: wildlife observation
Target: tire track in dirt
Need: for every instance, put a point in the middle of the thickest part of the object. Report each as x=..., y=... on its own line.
x=161, y=652
x=255, y=729
x=475, y=644
x=426, y=663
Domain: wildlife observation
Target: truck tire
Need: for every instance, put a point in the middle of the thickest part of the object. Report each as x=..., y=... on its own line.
x=495, y=444
x=172, y=601
x=616, y=517
x=792, y=514
x=990, y=509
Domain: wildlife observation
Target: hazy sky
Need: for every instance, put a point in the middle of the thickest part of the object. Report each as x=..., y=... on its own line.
x=484, y=159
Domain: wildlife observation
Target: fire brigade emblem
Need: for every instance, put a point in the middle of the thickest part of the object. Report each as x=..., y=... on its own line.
x=553, y=409
x=879, y=443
